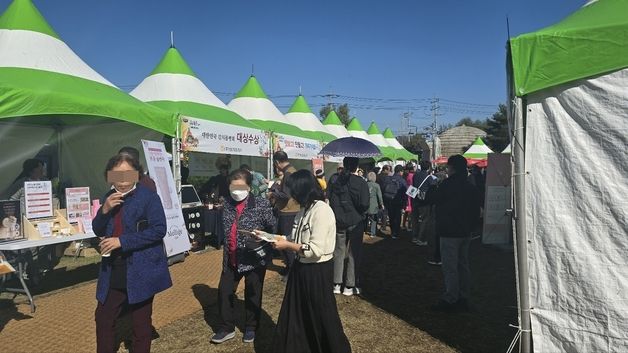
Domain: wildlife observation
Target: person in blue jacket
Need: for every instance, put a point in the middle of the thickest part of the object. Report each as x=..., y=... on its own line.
x=134, y=266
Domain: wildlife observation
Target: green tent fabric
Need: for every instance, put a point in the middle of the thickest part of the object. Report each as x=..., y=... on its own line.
x=174, y=87
x=355, y=129
x=570, y=49
x=43, y=79
x=333, y=124
x=252, y=103
x=301, y=115
x=478, y=150
x=402, y=153
x=378, y=139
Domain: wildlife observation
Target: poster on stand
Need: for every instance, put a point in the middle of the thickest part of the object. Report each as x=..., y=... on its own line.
x=176, y=240
x=10, y=220
x=497, y=222
x=38, y=199
x=317, y=163
x=297, y=147
x=211, y=137
x=78, y=204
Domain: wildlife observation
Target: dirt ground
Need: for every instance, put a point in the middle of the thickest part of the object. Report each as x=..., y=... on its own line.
x=393, y=313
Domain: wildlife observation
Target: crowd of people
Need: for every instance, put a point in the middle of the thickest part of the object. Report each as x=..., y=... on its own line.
x=317, y=224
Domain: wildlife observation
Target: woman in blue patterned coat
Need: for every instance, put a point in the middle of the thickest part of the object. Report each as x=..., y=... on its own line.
x=244, y=255
x=133, y=225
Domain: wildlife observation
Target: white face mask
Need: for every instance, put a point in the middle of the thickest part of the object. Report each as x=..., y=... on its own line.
x=125, y=193
x=239, y=195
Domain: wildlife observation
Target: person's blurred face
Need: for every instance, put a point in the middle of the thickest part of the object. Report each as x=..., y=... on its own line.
x=123, y=186
x=38, y=172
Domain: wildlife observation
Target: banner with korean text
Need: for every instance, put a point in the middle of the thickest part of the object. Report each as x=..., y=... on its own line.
x=211, y=137
x=176, y=240
x=297, y=147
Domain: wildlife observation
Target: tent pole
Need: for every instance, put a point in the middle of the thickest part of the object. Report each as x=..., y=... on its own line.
x=269, y=170
x=521, y=240
x=176, y=159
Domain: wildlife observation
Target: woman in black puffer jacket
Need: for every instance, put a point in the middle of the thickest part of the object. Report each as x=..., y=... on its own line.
x=244, y=255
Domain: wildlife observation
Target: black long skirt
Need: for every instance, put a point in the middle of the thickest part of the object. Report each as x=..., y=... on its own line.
x=308, y=320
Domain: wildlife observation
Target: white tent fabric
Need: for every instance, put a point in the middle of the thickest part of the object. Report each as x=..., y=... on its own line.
x=306, y=122
x=15, y=151
x=507, y=149
x=34, y=50
x=253, y=108
x=361, y=134
x=577, y=221
x=337, y=130
x=180, y=87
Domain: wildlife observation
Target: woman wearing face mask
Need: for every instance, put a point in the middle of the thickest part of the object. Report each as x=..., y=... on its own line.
x=133, y=225
x=244, y=255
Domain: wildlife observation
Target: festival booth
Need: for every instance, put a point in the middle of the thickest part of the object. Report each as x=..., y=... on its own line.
x=301, y=115
x=400, y=152
x=478, y=153
x=50, y=97
x=375, y=136
x=207, y=127
x=569, y=112
x=252, y=103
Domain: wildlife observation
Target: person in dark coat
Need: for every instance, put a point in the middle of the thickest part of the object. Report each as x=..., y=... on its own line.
x=244, y=256
x=133, y=224
x=349, y=199
x=457, y=212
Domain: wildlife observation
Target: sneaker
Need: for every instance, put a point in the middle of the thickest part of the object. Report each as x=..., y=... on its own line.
x=420, y=243
x=348, y=291
x=222, y=336
x=434, y=262
x=394, y=236
x=249, y=336
x=357, y=291
x=336, y=289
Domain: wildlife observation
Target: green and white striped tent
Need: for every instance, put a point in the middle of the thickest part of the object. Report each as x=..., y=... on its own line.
x=401, y=152
x=478, y=150
x=174, y=87
x=301, y=115
x=355, y=129
x=378, y=139
x=46, y=89
x=252, y=103
x=568, y=102
x=333, y=124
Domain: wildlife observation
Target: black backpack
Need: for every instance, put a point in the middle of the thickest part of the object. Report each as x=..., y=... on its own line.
x=341, y=203
x=391, y=188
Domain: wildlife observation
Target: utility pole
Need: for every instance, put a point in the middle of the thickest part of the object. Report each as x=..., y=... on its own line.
x=435, y=114
x=405, y=121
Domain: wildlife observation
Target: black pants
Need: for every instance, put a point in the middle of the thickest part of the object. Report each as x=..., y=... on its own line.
x=253, y=286
x=394, y=214
x=285, y=223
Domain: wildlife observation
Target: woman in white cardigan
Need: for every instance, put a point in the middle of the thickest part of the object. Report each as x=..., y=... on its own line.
x=308, y=320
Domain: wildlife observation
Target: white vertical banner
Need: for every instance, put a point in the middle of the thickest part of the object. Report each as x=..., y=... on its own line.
x=176, y=240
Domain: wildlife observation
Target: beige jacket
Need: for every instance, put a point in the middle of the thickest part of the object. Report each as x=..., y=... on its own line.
x=315, y=227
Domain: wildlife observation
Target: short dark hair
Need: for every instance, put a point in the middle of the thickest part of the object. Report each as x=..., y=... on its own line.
x=123, y=157
x=458, y=162
x=304, y=188
x=376, y=170
x=398, y=168
x=245, y=166
x=131, y=151
x=280, y=156
x=425, y=165
x=351, y=164
x=385, y=167
x=240, y=174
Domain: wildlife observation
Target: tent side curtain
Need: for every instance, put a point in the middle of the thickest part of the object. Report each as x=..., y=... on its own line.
x=35, y=93
x=572, y=49
x=577, y=217
x=19, y=143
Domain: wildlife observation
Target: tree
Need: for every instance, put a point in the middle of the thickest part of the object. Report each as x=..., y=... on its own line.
x=497, y=130
x=479, y=123
x=414, y=143
x=342, y=111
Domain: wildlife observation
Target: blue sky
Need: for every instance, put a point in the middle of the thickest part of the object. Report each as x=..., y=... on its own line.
x=394, y=55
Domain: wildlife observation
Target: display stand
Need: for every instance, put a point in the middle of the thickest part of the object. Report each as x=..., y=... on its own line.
x=60, y=226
